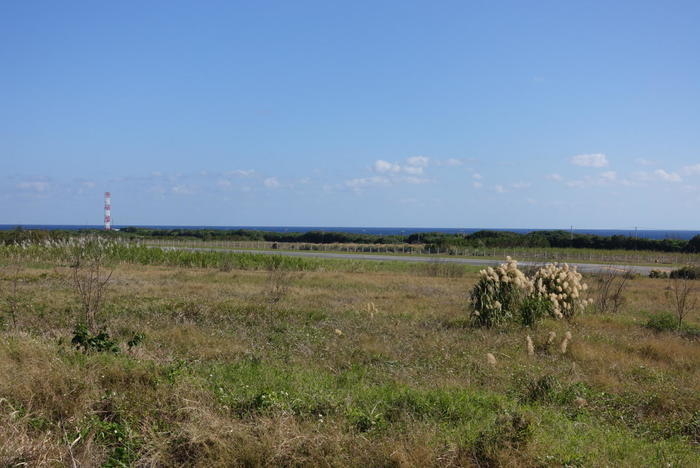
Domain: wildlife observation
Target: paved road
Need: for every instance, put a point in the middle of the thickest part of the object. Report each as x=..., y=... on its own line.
x=582, y=267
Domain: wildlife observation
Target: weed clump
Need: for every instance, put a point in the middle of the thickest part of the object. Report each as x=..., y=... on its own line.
x=510, y=433
x=505, y=293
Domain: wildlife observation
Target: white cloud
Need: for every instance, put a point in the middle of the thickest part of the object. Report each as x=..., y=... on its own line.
x=554, y=177
x=362, y=182
x=499, y=188
x=453, y=162
x=667, y=176
x=416, y=170
x=382, y=166
x=223, y=183
x=183, y=189
x=641, y=176
x=644, y=162
x=477, y=176
x=271, y=182
x=589, y=160
x=34, y=186
x=575, y=183
x=418, y=161
x=609, y=176
x=477, y=185
x=414, y=165
x=240, y=173
x=415, y=180
x=691, y=170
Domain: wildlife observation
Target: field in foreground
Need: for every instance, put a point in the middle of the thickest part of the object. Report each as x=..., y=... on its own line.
x=337, y=367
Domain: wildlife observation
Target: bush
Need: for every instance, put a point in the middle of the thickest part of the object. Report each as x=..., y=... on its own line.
x=498, y=294
x=504, y=293
x=693, y=244
x=658, y=274
x=562, y=287
x=686, y=272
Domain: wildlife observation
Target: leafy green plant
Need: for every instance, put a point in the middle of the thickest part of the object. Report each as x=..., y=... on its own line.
x=86, y=341
x=366, y=421
x=533, y=309
x=662, y=322
x=136, y=340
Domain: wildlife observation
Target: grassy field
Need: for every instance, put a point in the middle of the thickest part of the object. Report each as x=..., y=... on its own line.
x=246, y=361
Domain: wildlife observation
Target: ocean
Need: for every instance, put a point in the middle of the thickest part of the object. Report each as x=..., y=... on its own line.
x=640, y=233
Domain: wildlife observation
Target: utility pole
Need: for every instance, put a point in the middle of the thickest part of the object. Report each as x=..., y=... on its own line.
x=572, y=236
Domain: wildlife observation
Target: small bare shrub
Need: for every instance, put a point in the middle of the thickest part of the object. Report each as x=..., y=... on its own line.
x=681, y=294
x=89, y=276
x=610, y=286
x=12, y=292
x=278, y=283
x=14, y=297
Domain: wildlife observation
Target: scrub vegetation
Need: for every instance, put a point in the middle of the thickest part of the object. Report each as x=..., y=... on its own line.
x=216, y=359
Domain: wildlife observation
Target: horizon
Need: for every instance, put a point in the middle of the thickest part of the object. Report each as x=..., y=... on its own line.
x=391, y=114
x=399, y=229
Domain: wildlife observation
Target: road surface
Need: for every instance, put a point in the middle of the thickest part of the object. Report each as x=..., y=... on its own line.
x=581, y=267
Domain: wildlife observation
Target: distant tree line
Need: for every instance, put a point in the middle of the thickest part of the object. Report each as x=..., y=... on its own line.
x=479, y=239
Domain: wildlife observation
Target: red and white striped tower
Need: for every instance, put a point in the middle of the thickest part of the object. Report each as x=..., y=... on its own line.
x=108, y=211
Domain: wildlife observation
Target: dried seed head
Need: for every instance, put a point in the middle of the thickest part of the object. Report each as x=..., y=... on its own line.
x=564, y=345
x=530, y=346
x=491, y=359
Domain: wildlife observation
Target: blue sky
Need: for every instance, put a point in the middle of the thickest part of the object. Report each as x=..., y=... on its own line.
x=444, y=114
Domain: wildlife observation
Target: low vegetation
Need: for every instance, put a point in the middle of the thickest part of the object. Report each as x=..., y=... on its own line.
x=485, y=239
x=213, y=359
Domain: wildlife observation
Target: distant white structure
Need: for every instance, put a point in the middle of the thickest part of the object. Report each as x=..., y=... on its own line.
x=108, y=211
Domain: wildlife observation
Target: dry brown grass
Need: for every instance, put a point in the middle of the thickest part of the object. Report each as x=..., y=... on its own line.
x=197, y=323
